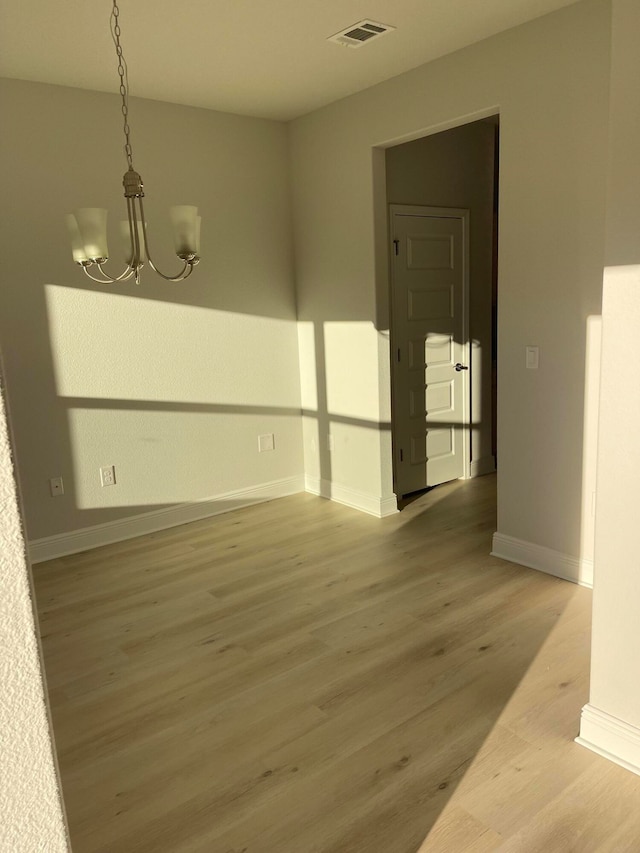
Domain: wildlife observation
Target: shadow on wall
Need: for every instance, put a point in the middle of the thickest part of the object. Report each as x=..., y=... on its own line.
x=173, y=384
x=168, y=450
x=154, y=369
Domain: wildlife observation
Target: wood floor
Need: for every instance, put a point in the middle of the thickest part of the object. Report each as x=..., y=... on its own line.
x=297, y=677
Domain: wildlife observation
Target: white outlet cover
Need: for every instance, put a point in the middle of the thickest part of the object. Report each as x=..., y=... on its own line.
x=266, y=442
x=108, y=475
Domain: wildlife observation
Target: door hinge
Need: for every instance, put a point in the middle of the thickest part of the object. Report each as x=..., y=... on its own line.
x=396, y=246
x=398, y=353
x=401, y=456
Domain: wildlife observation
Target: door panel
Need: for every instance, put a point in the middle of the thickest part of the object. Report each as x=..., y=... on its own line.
x=430, y=335
x=435, y=304
x=430, y=252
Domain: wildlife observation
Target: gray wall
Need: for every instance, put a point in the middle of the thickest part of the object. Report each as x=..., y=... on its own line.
x=171, y=383
x=549, y=81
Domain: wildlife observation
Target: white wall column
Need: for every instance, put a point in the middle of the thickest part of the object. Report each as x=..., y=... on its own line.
x=611, y=721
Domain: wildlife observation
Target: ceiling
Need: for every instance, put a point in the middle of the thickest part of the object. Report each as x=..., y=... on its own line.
x=254, y=57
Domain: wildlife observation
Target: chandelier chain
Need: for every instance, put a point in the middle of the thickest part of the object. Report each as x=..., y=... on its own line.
x=124, y=82
x=88, y=225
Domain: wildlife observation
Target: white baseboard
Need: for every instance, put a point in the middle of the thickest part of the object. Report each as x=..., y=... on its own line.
x=87, y=538
x=480, y=467
x=610, y=737
x=543, y=559
x=314, y=485
x=371, y=504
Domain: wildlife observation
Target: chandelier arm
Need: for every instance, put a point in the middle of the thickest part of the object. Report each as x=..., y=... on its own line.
x=124, y=276
x=133, y=265
x=107, y=278
x=186, y=270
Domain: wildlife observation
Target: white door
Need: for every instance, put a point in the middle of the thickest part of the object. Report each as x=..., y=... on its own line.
x=430, y=346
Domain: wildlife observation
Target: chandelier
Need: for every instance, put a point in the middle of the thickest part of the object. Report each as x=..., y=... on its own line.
x=88, y=226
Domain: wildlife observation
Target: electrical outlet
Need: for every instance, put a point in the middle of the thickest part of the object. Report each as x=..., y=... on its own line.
x=56, y=486
x=266, y=442
x=108, y=475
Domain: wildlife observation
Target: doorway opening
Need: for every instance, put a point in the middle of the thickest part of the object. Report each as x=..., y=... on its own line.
x=442, y=202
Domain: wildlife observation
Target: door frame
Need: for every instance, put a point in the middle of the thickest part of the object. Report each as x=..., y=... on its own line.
x=441, y=213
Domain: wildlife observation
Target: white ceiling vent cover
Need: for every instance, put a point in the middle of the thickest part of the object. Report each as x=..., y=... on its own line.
x=361, y=33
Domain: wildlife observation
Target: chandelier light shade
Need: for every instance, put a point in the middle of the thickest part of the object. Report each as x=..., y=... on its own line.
x=88, y=226
x=186, y=229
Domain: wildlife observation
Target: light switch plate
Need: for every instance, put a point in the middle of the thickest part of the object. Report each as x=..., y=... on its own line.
x=56, y=486
x=532, y=358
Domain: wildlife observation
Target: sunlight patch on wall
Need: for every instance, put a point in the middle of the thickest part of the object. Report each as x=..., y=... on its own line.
x=590, y=445
x=108, y=346
x=350, y=362
x=308, y=365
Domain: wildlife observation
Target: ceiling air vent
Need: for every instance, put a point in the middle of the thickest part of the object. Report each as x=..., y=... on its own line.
x=361, y=33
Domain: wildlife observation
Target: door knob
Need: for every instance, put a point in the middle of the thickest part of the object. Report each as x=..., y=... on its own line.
x=460, y=367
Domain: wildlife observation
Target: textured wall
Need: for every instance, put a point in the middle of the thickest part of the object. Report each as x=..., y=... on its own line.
x=171, y=383
x=32, y=818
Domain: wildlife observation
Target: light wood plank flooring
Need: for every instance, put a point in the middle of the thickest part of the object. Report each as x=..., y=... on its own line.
x=297, y=677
